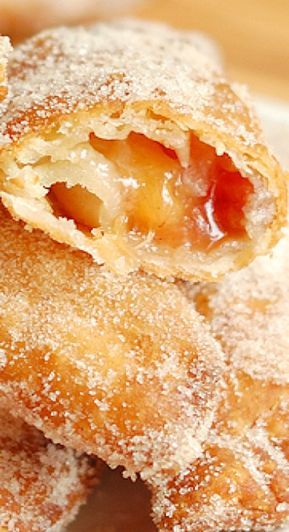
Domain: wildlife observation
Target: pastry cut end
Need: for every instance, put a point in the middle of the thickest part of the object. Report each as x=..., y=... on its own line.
x=197, y=206
x=132, y=200
x=144, y=160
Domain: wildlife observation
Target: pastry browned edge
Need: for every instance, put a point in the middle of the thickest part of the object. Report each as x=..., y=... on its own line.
x=42, y=484
x=120, y=367
x=125, y=141
x=240, y=481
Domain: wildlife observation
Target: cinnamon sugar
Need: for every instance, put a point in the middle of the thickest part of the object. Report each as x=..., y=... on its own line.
x=249, y=312
x=65, y=70
x=240, y=481
x=120, y=367
x=42, y=485
x=111, y=80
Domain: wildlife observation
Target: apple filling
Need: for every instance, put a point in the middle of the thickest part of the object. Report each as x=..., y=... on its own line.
x=198, y=206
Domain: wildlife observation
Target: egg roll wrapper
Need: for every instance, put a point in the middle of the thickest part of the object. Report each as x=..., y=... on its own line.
x=42, y=484
x=121, y=367
x=126, y=141
x=241, y=480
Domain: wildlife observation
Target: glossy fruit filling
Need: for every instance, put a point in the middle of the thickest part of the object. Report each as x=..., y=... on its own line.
x=197, y=206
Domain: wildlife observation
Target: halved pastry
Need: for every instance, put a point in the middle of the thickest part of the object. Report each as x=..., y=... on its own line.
x=42, y=484
x=241, y=479
x=5, y=49
x=121, y=367
x=128, y=143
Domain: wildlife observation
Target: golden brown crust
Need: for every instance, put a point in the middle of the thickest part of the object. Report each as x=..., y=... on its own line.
x=196, y=91
x=42, y=485
x=241, y=481
x=249, y=312
x=120, y=367
x=62, y=88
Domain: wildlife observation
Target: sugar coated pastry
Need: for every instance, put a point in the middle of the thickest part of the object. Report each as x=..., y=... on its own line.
x=206, y=45
x=122, y=367
x=241, y=480
x=127, y=142
x=5, y=49
x=21, y=19
x=42, y=484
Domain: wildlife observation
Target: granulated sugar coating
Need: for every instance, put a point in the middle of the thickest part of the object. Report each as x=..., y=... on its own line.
x=241, y=480
x=5, y=49
x=249, y=313
x=65, y=70
x=120, y=367
x=136, y=119
x=42, y=484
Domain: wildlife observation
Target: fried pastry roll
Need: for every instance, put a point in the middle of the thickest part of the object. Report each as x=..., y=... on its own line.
x=128, y=143
x=241, y=480
x=42, y=484
x=124, y=368
x=5, y=49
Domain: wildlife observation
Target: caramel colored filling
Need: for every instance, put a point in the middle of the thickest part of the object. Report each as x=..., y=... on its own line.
x=77, y=204
x=197, y=206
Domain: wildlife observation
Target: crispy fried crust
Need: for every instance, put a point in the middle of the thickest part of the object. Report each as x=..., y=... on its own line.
x=120, y=367
x=122, y=77
x=241, y=481
x=42, y=484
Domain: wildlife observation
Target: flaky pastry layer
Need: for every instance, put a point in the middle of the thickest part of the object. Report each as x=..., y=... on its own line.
x=76, y=90
x=42, y=484
x=241, y=481
x=121, y=367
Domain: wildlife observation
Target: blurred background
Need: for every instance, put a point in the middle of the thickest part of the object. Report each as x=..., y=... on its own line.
x=253, y=34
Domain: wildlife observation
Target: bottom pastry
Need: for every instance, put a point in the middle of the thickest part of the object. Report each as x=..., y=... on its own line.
x=241, y=479
x=42, y=484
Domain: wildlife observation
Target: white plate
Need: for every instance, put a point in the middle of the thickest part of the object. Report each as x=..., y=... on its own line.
x=119, y=505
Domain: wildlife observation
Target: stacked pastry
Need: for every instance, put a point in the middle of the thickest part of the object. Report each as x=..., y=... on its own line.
x=128, y=161
x=240, y=480
x=42, y=484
